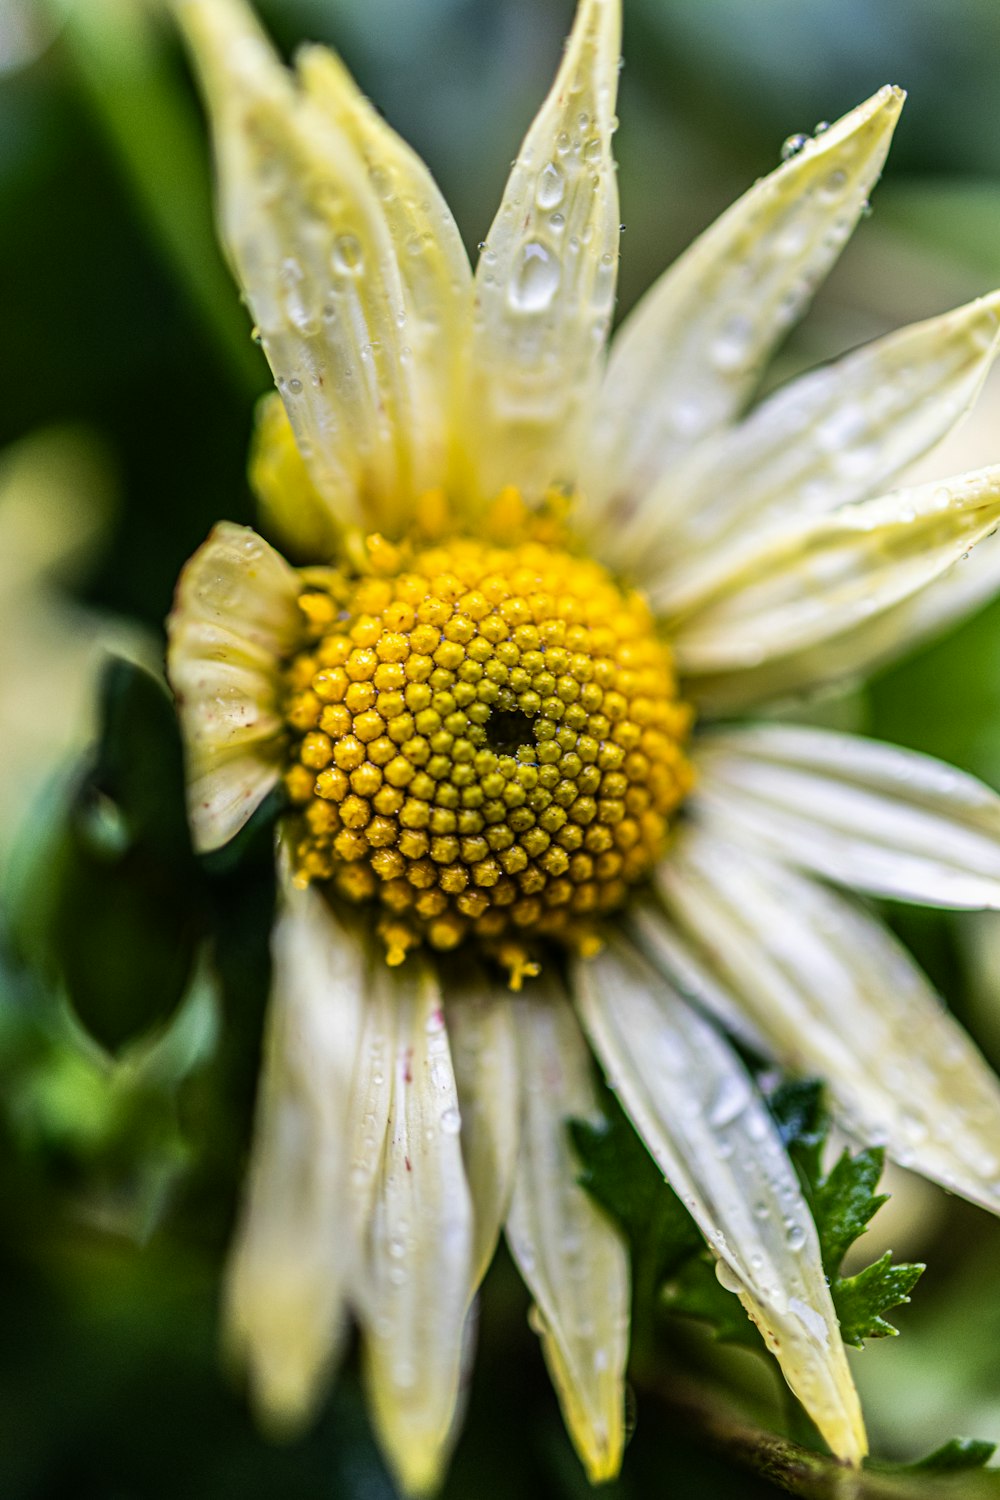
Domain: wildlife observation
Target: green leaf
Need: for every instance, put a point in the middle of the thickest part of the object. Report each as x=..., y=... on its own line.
x=844, y=1203
x=862, y=1299
x=120, y=901
x=958, y=1456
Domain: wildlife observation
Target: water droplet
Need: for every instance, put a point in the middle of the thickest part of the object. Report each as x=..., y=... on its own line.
x=732, y=347
x=821, y=127
x=347, y=256
x=551, y=187
x=295, y=386
x=451, y=1121
x=730, y=1101
x=795, y=1236
x=792, y=145
x=592, y=149
x=727, y=1277
x=536, y=281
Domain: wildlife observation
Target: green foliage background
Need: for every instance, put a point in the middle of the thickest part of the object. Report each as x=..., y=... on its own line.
x=126, y=1069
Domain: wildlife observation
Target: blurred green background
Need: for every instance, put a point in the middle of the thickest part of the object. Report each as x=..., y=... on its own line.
x=127, y=380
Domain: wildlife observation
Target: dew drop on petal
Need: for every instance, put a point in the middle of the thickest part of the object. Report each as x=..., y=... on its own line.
x=347, y=255
x=727, y=1277
x=551, y=186
x=792, y=145
x=536, y=280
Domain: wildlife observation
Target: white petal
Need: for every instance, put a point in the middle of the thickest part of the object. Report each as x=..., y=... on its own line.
x=693, y=977
x=962, y=589
x=291, y=1258
x=867, y=815
x=484, y=1054
x=235, y=616
x=545, y=281
x=838, y=997
x=711, y=1134
x=570, y=1256
x=830, y=438
x=433, y=263
x=409, y=1183
x=320, y=265
x=687, y=359
x=755, y=617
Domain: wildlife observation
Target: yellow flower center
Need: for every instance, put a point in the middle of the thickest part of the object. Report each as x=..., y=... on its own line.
x=486, y=740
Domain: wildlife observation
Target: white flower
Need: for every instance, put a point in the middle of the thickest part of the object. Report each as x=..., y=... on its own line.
x=410, y=1110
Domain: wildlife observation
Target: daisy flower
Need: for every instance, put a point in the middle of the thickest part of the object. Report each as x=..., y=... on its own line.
x=522, y=829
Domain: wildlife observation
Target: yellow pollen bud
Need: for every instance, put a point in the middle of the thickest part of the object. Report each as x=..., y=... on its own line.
x=485, y=739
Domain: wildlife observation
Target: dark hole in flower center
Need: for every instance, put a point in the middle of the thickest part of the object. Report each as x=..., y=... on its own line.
x=507, y=729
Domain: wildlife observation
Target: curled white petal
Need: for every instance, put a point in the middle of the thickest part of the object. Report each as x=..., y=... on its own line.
x=754, y=621
x=484, y=1054
x=361, y=364
x=235, y=617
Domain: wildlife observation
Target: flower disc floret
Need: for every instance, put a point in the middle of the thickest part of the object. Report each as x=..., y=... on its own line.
x=486, y=740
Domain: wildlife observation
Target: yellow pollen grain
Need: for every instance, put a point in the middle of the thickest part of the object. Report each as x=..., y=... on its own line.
x=486, y=739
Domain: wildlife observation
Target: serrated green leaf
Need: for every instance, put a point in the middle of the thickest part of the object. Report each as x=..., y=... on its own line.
x=862, y=1299
x=844, y=1202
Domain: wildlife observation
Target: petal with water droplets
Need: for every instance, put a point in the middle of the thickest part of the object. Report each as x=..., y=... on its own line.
x=570, y=1256
x=291, y=1260
x=871, y=816
x=433, y=264
x=829, y=438
x=317, y=257
x=545, y=281
x=753, y=621
x=837, y=997
x=696, y=1108
x=235, y=616
x=484, y=1054
x=686, y=360
x=412, y=1200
